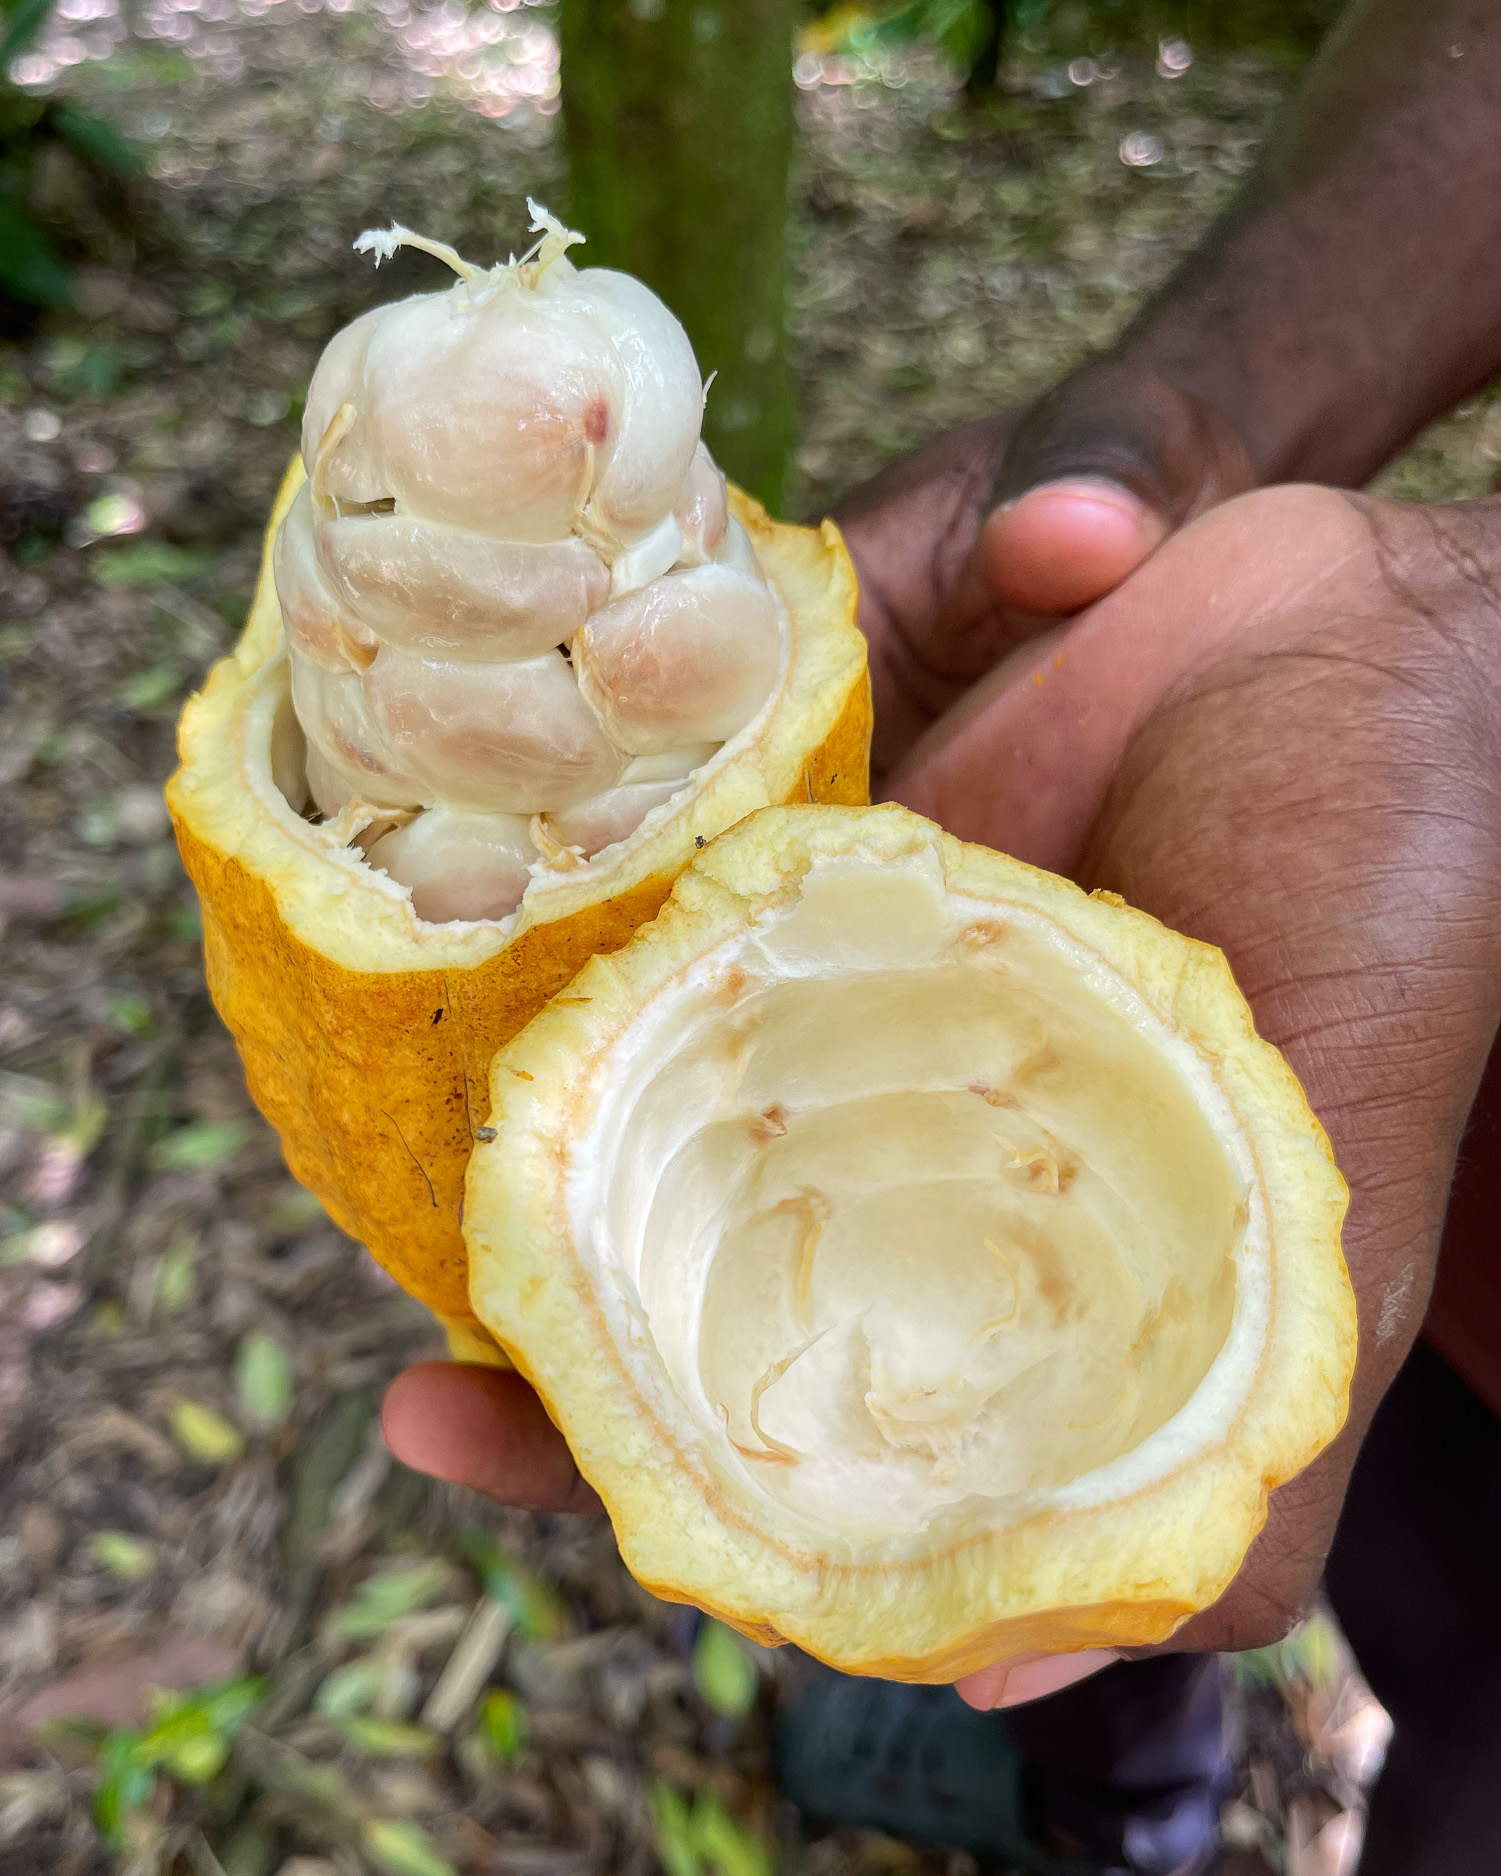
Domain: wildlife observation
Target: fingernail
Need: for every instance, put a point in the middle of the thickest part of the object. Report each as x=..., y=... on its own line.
x=1086, y=489
x=1035, y=1680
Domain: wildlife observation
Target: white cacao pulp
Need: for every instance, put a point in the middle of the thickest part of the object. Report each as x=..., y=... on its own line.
x=516, y=609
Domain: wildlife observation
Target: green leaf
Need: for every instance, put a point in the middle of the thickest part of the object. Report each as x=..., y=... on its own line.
x=537, y=1611
x=23, y=25
x=402, y=1848
x=175, y=1275
x=385, y=1598
x=124, y=1556
x=126, y=1784
x=186, y=922
x=1310, y=1654
x=201, y=1755
x=723, y=1672
x=349, y=1689
x=151, y=688
x=295, y=1210
x=131, y=1014
x=190, y=1732
x=35, y=1105
x=725, y=1844
x=98, y=369
x=205, y=1435
x=148, y=563
x=230, y=1703
x=96, y=142
x=200, y=1147
x=263, y=1380
x=674, y=1830
x=88, y=908
x=87, y=1124
x=251, y=1851
x=31, y=269
x=502, y=1725
x=389, y=1739
x=109, y=1318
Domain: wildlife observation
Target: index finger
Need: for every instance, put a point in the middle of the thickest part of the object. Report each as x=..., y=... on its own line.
x=485, y=1428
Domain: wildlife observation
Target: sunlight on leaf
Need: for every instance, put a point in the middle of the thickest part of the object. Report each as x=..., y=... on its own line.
x=130, y=1014
x=190, y=1733
x=389, y=1739
x=502, y=1725
x=205, y=1435
x=401, y=1848
x=124, y=1556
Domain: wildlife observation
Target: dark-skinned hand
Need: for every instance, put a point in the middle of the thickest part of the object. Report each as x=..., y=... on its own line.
x=1281, y=735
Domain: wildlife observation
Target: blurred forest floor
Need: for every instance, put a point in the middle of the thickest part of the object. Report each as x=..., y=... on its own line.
x=193, y=1488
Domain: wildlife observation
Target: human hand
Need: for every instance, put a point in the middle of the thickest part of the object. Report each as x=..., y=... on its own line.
x=986, y=536
x=1279, y=736
x=952, y=551
x=1283, y=736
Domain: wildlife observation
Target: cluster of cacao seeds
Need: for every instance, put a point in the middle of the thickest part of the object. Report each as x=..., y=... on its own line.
x=518, y=613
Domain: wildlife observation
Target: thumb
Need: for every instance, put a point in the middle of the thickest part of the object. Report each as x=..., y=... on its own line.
x=1095, y=477
x=1062, y=545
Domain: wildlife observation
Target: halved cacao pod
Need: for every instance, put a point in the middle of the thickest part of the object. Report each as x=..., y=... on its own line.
x=925, y=1260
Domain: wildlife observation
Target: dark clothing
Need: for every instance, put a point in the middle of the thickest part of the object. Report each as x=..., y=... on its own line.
x=1413, y=1577
x=1464, y=1316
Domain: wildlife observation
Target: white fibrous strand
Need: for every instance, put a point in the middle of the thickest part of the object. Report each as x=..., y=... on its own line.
x=518, y=616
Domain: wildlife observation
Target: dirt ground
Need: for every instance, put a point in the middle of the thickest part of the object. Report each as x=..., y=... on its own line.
x=193, y=1487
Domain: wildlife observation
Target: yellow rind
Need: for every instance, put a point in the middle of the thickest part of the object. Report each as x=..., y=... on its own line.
x=1120, y=1574
x=367, y=1036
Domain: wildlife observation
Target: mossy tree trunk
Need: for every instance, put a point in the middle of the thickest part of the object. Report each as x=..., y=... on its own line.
x=679, y=127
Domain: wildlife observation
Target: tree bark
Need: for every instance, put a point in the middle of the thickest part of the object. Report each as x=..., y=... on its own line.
x=678, y=117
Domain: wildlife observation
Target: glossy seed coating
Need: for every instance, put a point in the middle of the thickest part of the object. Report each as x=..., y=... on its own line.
x=459, y=865
x=511, y=578
x=614, y=815
x=692, y=655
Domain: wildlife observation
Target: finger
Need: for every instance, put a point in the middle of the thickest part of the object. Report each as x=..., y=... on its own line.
x=484, y=1428
x=1031, y=1677
x=1132, y=428
x=1024, y=761
x=1062, y=546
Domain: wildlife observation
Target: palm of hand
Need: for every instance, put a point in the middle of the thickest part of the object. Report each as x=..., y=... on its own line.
x=1272, y=737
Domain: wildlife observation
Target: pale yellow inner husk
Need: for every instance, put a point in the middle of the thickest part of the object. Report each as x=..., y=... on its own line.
x=918, y=1210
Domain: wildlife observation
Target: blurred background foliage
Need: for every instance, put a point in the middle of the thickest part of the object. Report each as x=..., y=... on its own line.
x=59, y=166
x=679, y=134
x=680, y=130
